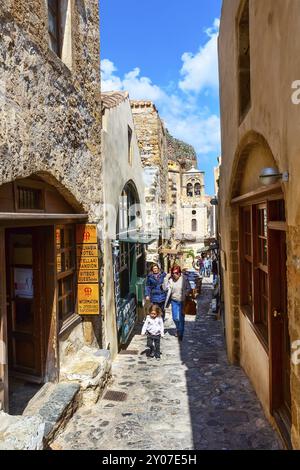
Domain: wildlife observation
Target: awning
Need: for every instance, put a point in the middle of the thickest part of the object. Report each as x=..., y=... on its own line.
x=141, y=238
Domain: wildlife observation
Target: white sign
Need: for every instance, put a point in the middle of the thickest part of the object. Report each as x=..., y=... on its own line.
x=23, y=282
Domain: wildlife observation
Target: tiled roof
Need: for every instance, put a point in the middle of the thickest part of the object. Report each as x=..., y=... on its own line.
x=111, y=99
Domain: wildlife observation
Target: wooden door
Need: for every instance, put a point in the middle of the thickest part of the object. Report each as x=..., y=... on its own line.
x=280, y=349
x=24, y=283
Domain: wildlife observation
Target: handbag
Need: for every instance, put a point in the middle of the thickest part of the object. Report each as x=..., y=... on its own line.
x=189, y=307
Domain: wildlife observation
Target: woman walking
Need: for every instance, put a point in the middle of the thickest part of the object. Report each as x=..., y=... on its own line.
x=154, y=288
x=178, y=287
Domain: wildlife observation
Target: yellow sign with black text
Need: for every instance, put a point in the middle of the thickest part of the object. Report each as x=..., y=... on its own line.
x=88, y=299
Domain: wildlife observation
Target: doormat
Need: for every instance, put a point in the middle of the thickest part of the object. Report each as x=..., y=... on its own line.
x=113, y=395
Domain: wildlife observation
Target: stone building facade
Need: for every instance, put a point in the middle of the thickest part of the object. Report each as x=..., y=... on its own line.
x=50, y=180
x=259, y=216
x=189, y=205
x=151, y=135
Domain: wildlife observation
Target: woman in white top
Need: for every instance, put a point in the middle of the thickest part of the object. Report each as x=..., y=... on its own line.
x=178, y=287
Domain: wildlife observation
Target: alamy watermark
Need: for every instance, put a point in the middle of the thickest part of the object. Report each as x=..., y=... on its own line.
x=296, y=93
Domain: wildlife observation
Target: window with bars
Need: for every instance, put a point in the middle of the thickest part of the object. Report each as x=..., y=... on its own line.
x=66, y=271
x=29, y=199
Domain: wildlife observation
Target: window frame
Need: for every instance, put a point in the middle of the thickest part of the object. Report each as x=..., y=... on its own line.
x=57, y=39
x=65, y=319
x=261, y=323
x=30, y=185
x=243, y=109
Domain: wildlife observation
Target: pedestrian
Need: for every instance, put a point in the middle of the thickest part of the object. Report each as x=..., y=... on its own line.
x=154, y=329
x=177, y=287
x=214, y=269
x=154, y=288
x=207, y=266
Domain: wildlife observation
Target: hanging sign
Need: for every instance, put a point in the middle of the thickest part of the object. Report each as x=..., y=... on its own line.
x=87, y=269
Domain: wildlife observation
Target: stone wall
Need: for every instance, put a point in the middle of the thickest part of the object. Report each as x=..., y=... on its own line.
x=180, y=152
x=151, y=136
x=50, y=114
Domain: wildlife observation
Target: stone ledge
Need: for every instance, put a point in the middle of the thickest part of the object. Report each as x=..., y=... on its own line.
x=54, y=404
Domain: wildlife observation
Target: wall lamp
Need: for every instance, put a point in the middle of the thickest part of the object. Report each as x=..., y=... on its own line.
x=214, y=201
x=271, y=175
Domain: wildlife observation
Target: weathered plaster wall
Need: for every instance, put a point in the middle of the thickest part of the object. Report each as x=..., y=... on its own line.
x=275, y=64
x=116, y=173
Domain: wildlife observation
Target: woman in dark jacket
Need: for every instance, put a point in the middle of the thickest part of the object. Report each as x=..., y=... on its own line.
x=154, y=291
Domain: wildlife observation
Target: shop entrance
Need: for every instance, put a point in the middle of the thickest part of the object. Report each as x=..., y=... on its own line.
x=25, y=285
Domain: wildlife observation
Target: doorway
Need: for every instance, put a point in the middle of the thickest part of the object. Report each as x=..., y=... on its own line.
x=25, y=283
x=280, y=347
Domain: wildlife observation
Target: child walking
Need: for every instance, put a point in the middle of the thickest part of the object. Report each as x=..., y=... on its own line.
x=154, y=329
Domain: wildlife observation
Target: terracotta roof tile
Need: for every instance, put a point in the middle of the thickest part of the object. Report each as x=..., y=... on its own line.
x=111, y=99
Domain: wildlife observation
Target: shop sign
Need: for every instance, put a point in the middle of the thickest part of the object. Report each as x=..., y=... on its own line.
x=88, y=299
x=86, y=233
x=87, y=269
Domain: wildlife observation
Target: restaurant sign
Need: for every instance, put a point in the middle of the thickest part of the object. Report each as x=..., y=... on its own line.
x=87, y=269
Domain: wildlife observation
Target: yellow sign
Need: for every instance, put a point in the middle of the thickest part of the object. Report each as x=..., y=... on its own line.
x=87, y=251
x=88, y=299
x=88, y=275
x=87, y=263
x=86, y=233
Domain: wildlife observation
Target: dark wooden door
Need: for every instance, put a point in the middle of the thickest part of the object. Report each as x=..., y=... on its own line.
x=280, y=349
x=24, y=288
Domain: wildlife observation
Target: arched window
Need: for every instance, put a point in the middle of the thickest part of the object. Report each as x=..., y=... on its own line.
x=194, y=225
x=197, y=189
x=189, y=190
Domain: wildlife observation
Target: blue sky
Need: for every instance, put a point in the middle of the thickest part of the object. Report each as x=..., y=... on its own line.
x=166, y=51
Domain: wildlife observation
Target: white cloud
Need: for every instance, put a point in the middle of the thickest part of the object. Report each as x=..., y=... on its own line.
x=109, y=81
x=182, y=112
x=202, y=132
x=200, y=70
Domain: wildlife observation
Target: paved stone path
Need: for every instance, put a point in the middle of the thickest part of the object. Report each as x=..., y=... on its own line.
x=190, y=399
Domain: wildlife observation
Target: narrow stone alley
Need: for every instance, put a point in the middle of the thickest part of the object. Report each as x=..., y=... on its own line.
x=190, y=399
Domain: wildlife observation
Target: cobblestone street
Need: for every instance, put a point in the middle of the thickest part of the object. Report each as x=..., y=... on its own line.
x=190, y=399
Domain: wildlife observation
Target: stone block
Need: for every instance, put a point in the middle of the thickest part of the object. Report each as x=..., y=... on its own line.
x=91, y=369
x=21, y=432
x=55, y=404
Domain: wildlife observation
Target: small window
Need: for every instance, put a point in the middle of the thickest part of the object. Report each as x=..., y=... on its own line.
x=194, y=225
x=189, y=190
x=244, y=61
x=60, y=29
x=29, y=199
x=130, y=145
x=53, y=26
